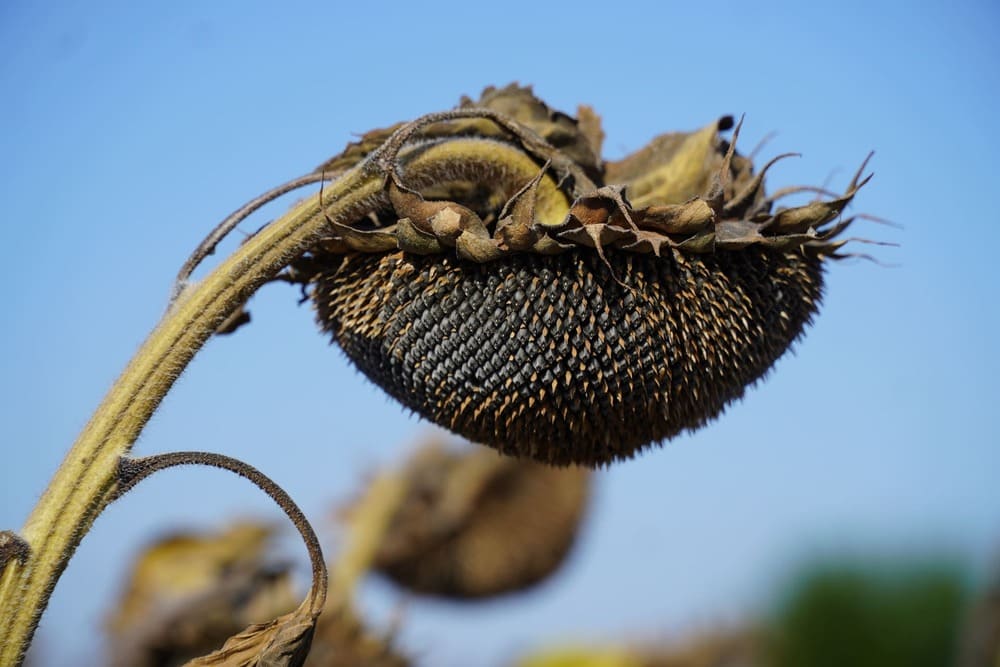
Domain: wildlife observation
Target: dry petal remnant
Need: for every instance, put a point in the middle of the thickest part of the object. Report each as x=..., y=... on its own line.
x=512, y=287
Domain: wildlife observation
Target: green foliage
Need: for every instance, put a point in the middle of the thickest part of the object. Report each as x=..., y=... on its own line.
x=840, y=615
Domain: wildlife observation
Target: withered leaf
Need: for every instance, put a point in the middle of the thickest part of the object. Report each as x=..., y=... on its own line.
x=366, y=240
x=594, y=235
x=645, y=241
x=411, y=238
x=700, y=243
x=283, y=642
x=801, y=219
x=546, y=245
x=687, y=218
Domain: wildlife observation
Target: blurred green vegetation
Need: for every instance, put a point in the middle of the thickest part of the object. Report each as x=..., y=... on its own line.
x=841, y=613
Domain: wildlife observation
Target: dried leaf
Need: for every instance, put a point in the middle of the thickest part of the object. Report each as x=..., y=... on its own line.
x=477, y=248
x=644, y=242
x=688, y=218
x=596, y=235
x=283, y=642
x=736, y=234
x=366, y=240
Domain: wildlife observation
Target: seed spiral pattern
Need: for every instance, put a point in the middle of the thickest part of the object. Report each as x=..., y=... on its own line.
x=565, y=358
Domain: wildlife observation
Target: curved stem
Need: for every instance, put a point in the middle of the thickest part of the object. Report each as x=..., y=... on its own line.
x=210, y=242
x=83, y=485
x=86, y=480
x=131, y=471
x=384, y=157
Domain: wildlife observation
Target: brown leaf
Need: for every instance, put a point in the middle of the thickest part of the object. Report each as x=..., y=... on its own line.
x=445, y=220
x=283, y=642
x=645, y=241
x=687, y=218
x=366, y=240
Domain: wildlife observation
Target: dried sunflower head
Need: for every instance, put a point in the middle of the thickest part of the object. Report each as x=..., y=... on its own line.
x=187, y=593
x=512, y=287
x=472, y=523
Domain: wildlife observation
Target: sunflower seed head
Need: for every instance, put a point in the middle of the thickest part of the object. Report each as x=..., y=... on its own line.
x=187, y=593
x=474, y=524
x=512, y=287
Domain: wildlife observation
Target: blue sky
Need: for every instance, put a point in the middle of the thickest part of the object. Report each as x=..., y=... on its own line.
x=131, y=128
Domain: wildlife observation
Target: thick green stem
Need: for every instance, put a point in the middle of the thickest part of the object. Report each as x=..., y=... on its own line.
x=83, y=485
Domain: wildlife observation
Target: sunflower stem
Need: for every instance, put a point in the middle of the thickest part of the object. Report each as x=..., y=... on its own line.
x=131, y=471
x=86, y=480
x=366, y=529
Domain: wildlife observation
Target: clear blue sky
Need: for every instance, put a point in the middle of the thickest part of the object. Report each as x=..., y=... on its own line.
x=129, y=129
